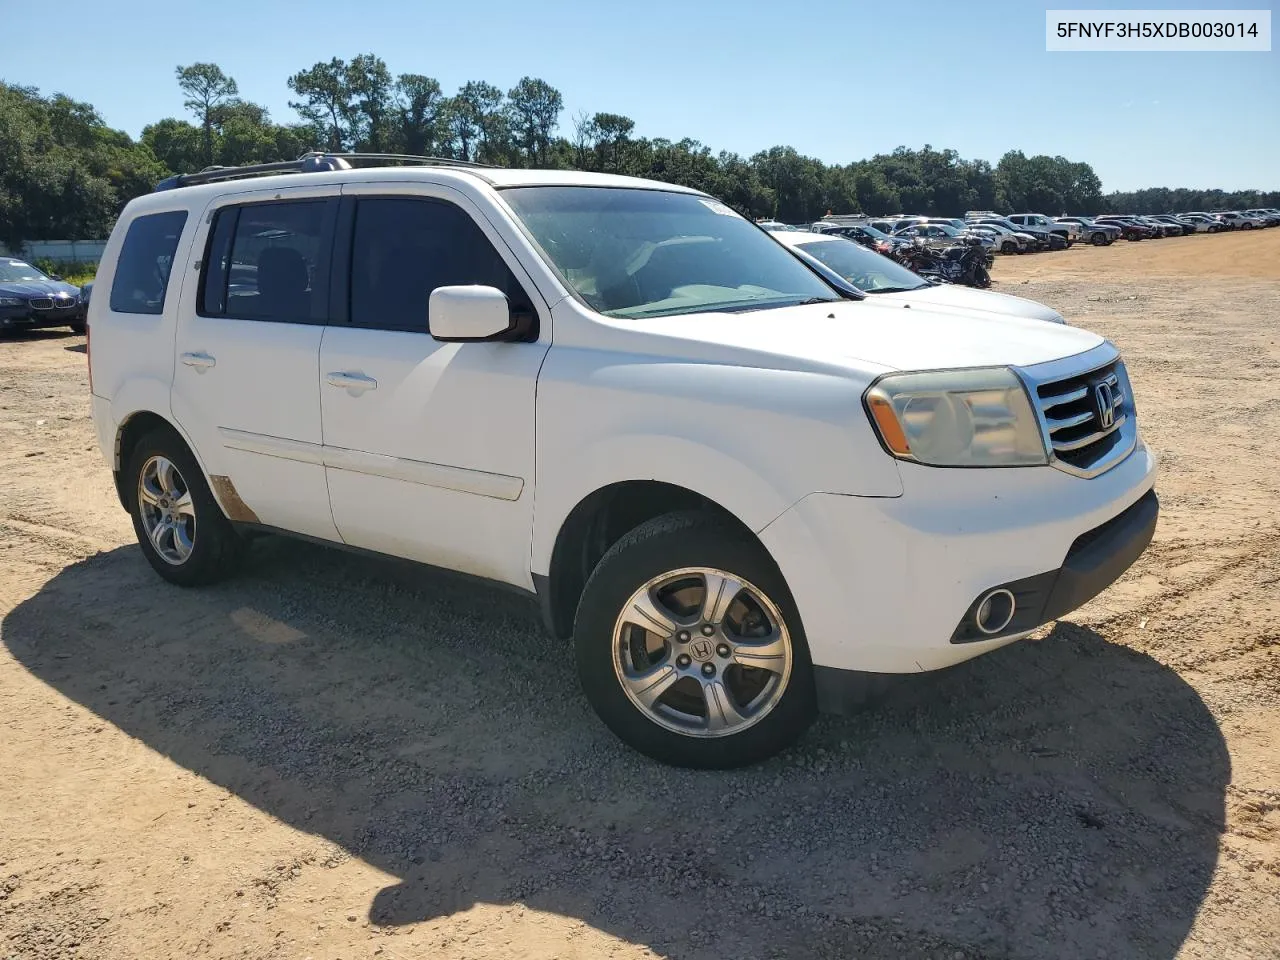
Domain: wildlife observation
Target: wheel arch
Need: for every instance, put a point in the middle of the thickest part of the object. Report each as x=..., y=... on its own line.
x=595, y=524
x=130, y=430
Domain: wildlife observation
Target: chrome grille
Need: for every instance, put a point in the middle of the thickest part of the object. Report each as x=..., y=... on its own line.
x=41, y=303
x=1087, y=414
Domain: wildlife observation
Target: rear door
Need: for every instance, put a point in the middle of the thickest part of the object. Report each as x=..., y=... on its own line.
x=246, y=384
x=429, y=446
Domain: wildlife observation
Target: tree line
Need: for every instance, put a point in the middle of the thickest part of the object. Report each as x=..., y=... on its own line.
x=65, y=173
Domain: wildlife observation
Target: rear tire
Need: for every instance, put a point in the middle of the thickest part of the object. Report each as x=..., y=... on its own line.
x=753, y=694
x=182, y=531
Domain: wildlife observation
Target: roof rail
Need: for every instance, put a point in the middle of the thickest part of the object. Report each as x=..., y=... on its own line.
x=314, y=161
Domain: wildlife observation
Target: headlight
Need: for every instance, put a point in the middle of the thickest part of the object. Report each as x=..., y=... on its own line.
x=12, y=302
x=957, y=418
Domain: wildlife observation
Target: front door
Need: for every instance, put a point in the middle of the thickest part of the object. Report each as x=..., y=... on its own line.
x=428, y=446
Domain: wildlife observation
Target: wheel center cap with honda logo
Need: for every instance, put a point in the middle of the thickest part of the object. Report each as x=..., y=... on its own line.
x=702, y=649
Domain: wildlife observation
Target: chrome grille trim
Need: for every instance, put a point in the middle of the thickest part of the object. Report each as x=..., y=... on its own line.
x=1058, y=391
x=1066, y=446
x=41, y=303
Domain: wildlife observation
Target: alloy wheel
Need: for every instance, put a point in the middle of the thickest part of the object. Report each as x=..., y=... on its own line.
x=702, y=652
x=167, y=512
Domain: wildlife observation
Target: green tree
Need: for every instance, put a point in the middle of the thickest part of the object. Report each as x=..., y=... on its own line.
x=797, y=183
x=424, y=114
x=325, y=102
x=534, y=107
x=206, y=88
x=611, y=131
x=176, y=144
x=369, y=88
x=64, y=174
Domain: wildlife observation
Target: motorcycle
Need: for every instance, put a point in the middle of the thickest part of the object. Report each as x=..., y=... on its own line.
x=964, y=263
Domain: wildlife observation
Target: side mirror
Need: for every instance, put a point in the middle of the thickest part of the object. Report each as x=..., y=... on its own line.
x=54, y=276
x=470, y=313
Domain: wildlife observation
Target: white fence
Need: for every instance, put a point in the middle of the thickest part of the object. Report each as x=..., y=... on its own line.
x=60, y=251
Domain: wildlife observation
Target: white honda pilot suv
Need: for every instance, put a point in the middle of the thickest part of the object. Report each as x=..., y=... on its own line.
x=743, y=490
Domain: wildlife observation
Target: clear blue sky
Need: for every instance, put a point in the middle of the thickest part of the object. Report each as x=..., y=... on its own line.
x=836, y=79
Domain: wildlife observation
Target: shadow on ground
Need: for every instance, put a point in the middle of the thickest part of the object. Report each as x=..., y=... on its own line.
x=43, y=333
x=1056, y=799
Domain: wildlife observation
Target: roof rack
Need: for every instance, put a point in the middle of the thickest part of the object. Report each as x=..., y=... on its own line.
x=314, y=161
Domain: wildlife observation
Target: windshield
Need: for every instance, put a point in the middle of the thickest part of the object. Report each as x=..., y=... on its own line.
x=874, y=234
x=650, y=253
x=15, y=271
x=864, y=268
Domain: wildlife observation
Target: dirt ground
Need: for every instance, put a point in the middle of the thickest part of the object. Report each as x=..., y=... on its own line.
x=335, y=758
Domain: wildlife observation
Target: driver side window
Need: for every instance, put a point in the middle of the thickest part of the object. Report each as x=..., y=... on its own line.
x=402, y=248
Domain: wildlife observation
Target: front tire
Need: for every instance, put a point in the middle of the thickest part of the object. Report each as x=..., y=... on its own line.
x=690, y=648
x=180, y=527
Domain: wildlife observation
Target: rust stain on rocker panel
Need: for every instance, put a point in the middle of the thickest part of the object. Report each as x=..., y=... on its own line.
x=236, y=509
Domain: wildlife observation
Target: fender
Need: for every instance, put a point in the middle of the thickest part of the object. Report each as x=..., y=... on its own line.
x=150, y=396
x=666, y=458
x=139, y=395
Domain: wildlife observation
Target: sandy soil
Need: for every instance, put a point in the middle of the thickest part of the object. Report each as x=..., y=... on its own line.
x=333, y=758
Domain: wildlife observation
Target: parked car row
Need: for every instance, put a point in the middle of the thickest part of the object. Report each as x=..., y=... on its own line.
x=1030, y=232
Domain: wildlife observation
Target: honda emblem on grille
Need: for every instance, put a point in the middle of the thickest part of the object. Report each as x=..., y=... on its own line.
x=1105, y=401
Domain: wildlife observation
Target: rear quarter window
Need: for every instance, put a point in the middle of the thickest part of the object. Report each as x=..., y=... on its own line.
x=141, y=277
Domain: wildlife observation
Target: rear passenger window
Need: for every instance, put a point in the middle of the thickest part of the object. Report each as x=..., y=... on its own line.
x=264, y=262
x=146, y=259
x=402, y=249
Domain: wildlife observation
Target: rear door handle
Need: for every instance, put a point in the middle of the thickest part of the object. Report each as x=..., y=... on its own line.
x=201, y=361
x=354, y=383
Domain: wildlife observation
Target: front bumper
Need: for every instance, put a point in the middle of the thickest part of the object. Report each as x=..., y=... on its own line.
x=1095, y=561
x=23, y=318
x=881, y=583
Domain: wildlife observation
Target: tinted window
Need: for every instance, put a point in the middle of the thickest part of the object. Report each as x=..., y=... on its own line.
x=402, y=249
x=263, y=261
x=146, y=258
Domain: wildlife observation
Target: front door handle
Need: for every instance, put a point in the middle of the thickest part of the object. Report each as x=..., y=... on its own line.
x=201, y=361
x=354, y=383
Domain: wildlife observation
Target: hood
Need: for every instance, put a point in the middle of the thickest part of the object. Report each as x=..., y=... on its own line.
x=872, y=336
x=967, y=298
x=37, y=288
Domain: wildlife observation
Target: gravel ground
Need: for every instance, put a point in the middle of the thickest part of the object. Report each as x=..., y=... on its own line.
x=331, y=757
